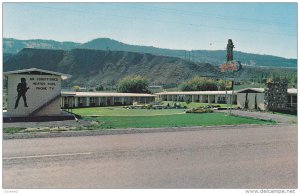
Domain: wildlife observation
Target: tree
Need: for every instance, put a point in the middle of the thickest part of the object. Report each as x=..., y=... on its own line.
x=293, y=80
x=99, y=88
x=133, y=84
x=202, y=84
x=221, y=85
x=76, y=88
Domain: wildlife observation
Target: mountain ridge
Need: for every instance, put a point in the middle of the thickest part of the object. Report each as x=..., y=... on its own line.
x=215, y=57
x=92, y=68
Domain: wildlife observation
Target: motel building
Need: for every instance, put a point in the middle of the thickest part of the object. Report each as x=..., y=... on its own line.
x=96, y=99
x=258, y=95
x=213, y=97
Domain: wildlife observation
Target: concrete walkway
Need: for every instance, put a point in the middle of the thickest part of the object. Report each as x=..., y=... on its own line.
x=265, y=116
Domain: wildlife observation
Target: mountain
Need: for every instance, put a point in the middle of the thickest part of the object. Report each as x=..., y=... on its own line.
x=11, y=45
x=91, y=68
x=94, y=67
x=205, y=56
x=214, y=57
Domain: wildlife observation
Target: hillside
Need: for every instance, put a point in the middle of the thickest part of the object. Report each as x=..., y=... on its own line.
x=6, y=56
x=90, y=68
x=95, y=67
x=204, y=56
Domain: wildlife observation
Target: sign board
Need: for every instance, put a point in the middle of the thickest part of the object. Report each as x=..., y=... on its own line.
x=230, y=66
x=28, y=92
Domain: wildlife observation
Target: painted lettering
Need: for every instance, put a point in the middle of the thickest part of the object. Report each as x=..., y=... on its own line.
x=41, y=88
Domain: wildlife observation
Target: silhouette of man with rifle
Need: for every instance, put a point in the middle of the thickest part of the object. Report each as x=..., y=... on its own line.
x=22, y=89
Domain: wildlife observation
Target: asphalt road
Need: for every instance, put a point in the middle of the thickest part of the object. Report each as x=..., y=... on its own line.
x=246, y=157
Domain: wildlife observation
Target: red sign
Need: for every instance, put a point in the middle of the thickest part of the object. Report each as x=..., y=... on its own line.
x=231, y=66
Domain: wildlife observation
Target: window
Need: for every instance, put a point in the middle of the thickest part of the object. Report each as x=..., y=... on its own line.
x=221, y=99
x=92, y=99
x=66, y=101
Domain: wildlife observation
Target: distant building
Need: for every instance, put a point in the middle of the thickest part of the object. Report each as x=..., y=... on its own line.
x=252, y=98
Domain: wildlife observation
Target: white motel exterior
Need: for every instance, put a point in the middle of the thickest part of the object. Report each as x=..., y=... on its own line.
x=44, y=95
x=93, y=99
x=98, y=99
x=217, y=97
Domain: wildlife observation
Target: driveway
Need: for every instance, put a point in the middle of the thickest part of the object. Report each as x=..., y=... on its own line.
x=280, y=118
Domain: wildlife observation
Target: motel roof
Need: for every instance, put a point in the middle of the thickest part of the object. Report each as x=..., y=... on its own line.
x=105, y=94
x=38, y=71
x=195, y=93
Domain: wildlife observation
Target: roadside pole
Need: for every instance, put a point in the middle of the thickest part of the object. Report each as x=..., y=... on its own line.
x=226, y=93
x=232, y=93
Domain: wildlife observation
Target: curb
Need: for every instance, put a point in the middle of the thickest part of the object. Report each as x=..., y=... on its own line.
x=29, y=135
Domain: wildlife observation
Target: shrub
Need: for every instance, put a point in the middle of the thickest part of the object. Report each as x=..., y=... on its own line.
x=206, y=109
x=202, y=84
x=76, y=88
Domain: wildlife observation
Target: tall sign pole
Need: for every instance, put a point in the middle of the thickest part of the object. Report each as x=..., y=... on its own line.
x=229, y=57
x=230, y=66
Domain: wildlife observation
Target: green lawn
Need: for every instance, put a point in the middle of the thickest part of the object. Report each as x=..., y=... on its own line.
x=13, y=129
x=118, y=117
x=119, y=111
x=179, y=120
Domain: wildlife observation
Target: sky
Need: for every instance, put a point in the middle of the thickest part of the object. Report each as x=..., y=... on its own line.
x=261, y=28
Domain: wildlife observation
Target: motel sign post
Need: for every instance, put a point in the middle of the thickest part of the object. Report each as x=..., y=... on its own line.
x=230, y=66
